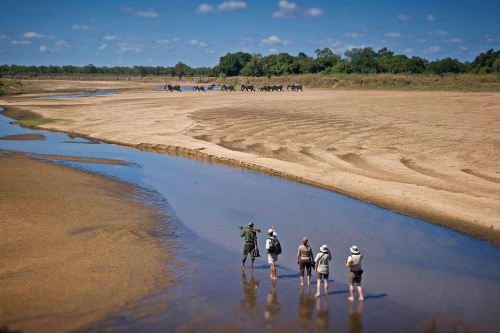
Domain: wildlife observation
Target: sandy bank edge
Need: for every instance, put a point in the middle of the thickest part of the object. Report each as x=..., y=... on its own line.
x=463, y=226
x=60, y=272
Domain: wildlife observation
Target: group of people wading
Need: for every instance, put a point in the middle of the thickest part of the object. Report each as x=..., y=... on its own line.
x=305, y=259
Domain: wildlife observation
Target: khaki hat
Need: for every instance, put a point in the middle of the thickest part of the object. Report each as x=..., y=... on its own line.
x=305, y=239
x=270, y=231
x=250, y=224
x=354, y=249
x=324, y=248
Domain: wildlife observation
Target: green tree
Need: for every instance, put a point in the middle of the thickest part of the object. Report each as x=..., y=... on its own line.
x=181, y=69
x=496, y=65
x=447, y=65
x=362, y=60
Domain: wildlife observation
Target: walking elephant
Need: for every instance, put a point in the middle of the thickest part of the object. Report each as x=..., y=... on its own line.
x=295, y=87
x=172, y=88
x=227, y=87
x=247, y=87
x=198, y=88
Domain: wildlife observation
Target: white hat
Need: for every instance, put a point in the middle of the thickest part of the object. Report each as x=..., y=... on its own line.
x=324, y=248
x=270, y=231
x=354, y=249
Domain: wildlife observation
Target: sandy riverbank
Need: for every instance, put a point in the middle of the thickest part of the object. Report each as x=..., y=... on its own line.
x=76, y=247
x=430, y=155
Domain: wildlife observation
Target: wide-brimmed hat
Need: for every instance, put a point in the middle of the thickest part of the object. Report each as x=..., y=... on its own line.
x=250, y=224
x=304, y=239
x=354, y=249
x=270, y=231
x=324, y=248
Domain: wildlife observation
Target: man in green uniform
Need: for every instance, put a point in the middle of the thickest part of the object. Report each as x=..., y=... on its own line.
x=250, y=244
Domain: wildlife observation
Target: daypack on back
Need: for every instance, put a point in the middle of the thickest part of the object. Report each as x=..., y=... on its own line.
x=276, y=246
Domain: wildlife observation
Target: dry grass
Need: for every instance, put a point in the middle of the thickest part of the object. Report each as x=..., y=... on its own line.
x=448, y=82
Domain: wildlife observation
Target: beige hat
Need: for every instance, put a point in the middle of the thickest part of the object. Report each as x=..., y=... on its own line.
x=354, y=249
x=270, y=231
x=324, y=248
x=305, y=239
x=250, y=224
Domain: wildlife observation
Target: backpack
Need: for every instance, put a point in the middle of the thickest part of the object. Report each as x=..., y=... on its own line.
x=275, y=247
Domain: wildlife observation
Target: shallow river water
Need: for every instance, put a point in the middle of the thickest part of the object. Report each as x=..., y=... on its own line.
x=418, y=277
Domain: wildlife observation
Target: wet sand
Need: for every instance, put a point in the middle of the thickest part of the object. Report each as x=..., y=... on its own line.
x=76, y=247
x=429, y=155
x=23, y=137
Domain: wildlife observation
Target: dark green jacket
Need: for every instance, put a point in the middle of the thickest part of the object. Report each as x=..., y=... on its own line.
x=250, y=235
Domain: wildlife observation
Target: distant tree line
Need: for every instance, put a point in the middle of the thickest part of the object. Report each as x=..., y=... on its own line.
x=358, y=60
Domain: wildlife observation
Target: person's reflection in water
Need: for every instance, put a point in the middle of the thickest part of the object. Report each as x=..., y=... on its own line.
x=321, y=321
x=273, y=307
x=306, y=306
x=355, y=325
x=250, y=289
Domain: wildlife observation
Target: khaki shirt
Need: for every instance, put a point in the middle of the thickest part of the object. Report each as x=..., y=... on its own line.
x=305, y=253
x=355, y=260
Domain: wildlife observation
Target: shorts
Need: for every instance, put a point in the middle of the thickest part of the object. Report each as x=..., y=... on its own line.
x=354, y=278
x=249, y=248
x=305, y=264
x=272, y=258
x=322, y=275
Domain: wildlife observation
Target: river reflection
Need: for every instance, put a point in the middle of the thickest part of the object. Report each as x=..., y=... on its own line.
x=250, y=288
x=355, y=324
x=273, y=306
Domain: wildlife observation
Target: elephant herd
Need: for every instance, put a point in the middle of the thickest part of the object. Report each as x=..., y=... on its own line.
x=244, y=87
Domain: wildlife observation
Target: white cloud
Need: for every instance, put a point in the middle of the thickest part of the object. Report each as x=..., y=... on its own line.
x=492, y=38
x=2, y=51
x=150, y=60
x=44, y=48
x=80, y=27
x=455, y=40
x=314, y=12
x=227, y=6
x=192, y=42
x=204, y=8
x=433, y=49
x=2, y=37
x=176, y=40
x=274, y=40
x=33, y=34
x=404, y=18
x=273, y=50
x=286, y=9
x=245, y=41
x=327, y=41
x=462, y=48
x=150, y=13
x=431, y=18
x=347, y=48
x=407, y=50
x=61, y=44
x=129, y=47
x=163, y=41
x=211, y=51
x=103, y=46
x=120, y=61
x=231, y=6
x=421, y=40
x=201, y=44
x=24, y=42
x=393, y=35
x=109, y=37
x=440, y=33
x=353, y=35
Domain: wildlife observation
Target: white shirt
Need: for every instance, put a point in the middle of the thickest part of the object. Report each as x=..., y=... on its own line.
x=322, y=259
x=268, y=241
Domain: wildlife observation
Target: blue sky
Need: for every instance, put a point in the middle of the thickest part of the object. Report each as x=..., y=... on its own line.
x=161, y=33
